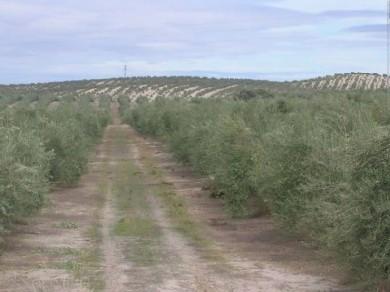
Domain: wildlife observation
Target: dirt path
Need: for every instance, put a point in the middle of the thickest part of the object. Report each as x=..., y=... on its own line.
x=59, y=250
x=115, y=270
x=256, y=255
x=183, y=268
x=115, y=274
x=140, y=222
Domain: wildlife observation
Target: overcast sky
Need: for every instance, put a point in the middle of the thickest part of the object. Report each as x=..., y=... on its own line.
x=46, y=40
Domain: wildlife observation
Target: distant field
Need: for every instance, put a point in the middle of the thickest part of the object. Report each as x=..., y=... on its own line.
x=132, y=88
x=351, y=81
x=178, y=87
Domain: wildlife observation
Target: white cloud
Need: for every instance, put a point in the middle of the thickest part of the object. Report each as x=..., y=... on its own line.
x=319, y=6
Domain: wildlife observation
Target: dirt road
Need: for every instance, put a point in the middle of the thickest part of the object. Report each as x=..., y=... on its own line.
x=138, y=221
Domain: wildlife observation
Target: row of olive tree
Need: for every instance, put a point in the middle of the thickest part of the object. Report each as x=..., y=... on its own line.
x=321, y=166
x=40, y=146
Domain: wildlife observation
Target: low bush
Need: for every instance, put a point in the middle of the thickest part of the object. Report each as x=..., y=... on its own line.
x=314, y=163
x=366, y=227
x=69, y=132
x=39, y=146
x=23, y=174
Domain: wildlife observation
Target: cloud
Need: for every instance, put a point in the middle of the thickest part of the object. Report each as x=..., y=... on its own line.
x=371, y=28
x=79, y=39
x=321, y=6
x=354, y=14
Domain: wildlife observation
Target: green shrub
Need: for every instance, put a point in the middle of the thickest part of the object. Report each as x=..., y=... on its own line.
x=66, y=140
x=232, y=163
x=297, y=158
x=38, y=146
x=69, y=133
x=23, y=173
x=247, y=95
x=366, y=237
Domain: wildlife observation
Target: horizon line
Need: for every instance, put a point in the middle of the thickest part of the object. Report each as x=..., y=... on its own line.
x=209, y=75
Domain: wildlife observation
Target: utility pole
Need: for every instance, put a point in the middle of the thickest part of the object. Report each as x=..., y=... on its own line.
x=125, y=70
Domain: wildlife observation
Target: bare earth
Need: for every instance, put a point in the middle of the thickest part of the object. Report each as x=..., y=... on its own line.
x=75, y=244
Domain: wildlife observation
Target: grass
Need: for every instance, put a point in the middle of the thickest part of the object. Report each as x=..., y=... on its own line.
x=136, y=227
x=3, y=245
x=43, y=286
x=66, y=225
x=177, y=209
x=84, y=265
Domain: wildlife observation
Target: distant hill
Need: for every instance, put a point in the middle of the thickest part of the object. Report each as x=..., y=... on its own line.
x=150, y=87
x=177, y=87
x=348, y=81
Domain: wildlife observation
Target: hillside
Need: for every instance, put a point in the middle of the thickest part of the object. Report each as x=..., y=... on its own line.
x=348, y=81
x=175, y=87
x=150, y=87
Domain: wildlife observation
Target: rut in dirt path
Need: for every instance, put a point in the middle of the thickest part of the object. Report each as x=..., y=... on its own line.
x=115, y=275
x=115, y=268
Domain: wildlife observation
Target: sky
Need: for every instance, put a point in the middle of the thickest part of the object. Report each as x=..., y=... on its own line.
x=52, y=40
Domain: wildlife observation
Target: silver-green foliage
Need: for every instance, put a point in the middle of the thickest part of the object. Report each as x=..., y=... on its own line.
x=23, y=173
x=40, y=146
x=316, y=163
